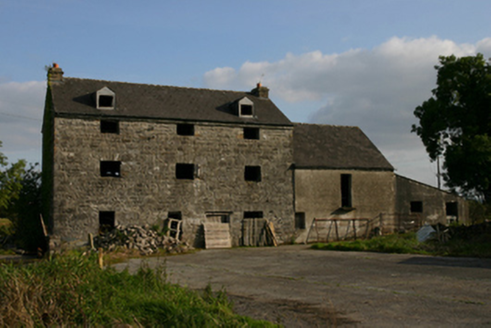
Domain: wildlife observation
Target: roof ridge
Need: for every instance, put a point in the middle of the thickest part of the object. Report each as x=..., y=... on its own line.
x=330, y=125
x=156, y=85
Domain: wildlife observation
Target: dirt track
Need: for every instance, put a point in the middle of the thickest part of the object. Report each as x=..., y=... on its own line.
x=299, y=287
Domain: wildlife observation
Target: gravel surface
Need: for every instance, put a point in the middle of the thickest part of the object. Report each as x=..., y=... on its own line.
x=300, y=287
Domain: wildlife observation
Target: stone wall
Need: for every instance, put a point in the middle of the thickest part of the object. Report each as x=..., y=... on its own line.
x=434, y=202
x=147, y=190
x=318, y=195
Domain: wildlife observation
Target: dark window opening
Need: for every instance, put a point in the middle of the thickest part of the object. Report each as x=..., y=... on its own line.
x=218, y=217
x=253, y=215
x=251, y=133
x=185, y=171
x=252, y=173
x=185, y=129
x=106, y=101
x=109, y=126
x=245, y=110
x=111, y=169
x=106, y=221
x=416, y=207
x=299, y=220
x=175, y=215
x=346, y=190
x=452, y=209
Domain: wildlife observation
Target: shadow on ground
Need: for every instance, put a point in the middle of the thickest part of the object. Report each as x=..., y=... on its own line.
x=448, y=262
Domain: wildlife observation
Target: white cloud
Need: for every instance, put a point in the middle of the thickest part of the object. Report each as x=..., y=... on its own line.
x=376, y=89
x=484, y=46
x=21, y=112
x=221, y=76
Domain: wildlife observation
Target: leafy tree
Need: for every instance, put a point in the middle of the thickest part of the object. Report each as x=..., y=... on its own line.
x=25, y=212
x=20, y=201
x=455, y=123
x=10, y=181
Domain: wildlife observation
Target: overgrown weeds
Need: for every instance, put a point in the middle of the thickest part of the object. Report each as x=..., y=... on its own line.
x=464, y=242
x=71, y=290
x=397, y=243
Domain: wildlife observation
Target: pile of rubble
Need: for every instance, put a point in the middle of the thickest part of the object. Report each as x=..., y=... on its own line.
x=142, y=238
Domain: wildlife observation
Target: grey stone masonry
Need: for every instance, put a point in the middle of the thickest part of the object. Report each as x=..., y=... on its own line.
x=146, y=189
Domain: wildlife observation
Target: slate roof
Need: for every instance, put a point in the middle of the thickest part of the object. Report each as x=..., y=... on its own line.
x=335, y=147
x=76, y=97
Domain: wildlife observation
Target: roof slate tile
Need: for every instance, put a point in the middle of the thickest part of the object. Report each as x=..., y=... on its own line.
x=76, y=96
x=335, y=147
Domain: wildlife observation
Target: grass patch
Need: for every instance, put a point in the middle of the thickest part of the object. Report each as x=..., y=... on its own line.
x=463, y=242
x=396, y=243
x=71, y=290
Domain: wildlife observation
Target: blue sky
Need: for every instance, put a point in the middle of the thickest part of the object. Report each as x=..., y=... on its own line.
x=367, y=63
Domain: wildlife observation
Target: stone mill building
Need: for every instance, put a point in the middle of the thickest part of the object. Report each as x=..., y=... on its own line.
x=119, y=153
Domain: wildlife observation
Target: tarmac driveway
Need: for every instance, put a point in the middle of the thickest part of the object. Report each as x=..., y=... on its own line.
x=300, y=287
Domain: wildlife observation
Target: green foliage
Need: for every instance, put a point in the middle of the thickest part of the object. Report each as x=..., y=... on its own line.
x=6, y=228
x=7, y=231
x=456, y=123
x=479, y=212
x=20, y=201
x=395, y=243
x=26, y=209
x=161, y=231
x=71, y=290
x=10, y=180
x=473, y=241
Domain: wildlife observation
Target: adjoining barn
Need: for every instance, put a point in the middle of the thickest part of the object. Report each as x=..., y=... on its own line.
x=125, y=154
x=340, y=175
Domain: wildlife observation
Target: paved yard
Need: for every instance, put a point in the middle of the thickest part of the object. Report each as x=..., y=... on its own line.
x=300, y=287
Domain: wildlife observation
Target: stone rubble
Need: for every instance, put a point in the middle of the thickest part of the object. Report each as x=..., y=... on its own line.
x=142, y=238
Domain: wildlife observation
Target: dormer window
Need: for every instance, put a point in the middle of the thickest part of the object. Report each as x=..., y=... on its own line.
x=245, y=108
x=105, y=98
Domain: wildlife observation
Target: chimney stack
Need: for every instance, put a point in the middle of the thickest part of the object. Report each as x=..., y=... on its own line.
x=55, y=73
x=260, y=91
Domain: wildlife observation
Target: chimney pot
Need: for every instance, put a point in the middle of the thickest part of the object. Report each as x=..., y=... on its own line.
x=55, y=73
x=260, y=91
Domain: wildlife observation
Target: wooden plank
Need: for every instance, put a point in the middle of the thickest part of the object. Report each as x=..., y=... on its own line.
x=217, y=235
x=271, y=231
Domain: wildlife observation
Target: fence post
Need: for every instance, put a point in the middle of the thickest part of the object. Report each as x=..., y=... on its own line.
x=354, y=228
x=101, y=259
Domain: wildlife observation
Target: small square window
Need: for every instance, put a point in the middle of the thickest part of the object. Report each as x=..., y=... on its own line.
x=110, y=169
x=185, y=171
x=185, y=129
x=106, y=221
x=253, y=215
x=251, y=133
x=106, y=101
x=452, y=208
x=416, y=207
x=252, y=173
x=109, y=126
x=246, y=110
